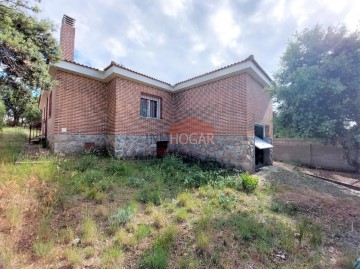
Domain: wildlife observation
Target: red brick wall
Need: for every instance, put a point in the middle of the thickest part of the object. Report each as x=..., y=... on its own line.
x=259, y=106
x=87, y=106
x=128, y=120
x=67, y=41
x=51, y=119
x=220, y=103
x=80, y=105
x=111, y=106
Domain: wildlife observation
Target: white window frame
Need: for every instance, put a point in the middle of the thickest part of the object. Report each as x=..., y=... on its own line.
x=158, y=103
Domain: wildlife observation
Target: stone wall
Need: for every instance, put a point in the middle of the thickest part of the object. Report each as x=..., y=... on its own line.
x=75, y=144
x=231, y=151
x=133, y=146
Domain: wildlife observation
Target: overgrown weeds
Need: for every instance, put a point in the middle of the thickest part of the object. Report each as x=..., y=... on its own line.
x=101, y=211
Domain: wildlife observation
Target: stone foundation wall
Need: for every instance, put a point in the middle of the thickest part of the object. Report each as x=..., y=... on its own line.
x=75, y=144
x=133, y=146
x=231, y=151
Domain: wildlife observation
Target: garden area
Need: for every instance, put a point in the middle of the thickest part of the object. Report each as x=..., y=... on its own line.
x=96, y=211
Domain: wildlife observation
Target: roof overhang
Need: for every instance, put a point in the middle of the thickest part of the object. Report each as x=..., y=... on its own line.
x=250, y=67
x=243, y=67
x=107, y=75
x=262, y=144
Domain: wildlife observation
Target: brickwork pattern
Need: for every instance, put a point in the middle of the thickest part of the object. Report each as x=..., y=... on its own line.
x=108, y=114
x=259, y=106
x=128, y=120
x=81, y=105
x=221, y=104
x=67, y=41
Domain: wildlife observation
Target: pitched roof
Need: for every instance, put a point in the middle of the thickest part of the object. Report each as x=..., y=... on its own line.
x=128, y=69
x=250, y=58
x=247, y=65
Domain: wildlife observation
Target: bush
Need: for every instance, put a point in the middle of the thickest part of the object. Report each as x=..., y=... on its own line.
x=2, y=114
x=122, y=216
x=86, y=162
x=117, y=168
x=92, y=176
x=136, y=182
x=150, y=195
x=158, y=256
x=249, y=182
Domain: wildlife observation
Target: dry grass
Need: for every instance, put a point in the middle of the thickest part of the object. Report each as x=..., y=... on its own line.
x=101, y=201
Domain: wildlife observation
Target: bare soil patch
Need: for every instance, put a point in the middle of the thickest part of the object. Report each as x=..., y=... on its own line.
x=335, y=206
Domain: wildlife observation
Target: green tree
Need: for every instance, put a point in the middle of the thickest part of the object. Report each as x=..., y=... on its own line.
x=26, y=46
x=16, y=101
x=318, y=89
x=32, y=113
x=2, y=114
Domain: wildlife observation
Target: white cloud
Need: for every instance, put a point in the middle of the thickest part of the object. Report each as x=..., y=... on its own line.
x=137, y=33
x=225, y=27
x=174, y=7
x=163, y=38
x=199, y=47
x=115, y=48
x=217, y=59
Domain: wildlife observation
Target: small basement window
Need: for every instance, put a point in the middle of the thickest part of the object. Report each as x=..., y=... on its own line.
x=150, y=107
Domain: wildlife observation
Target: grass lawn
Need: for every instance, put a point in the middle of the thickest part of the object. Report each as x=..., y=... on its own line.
x=105, y=213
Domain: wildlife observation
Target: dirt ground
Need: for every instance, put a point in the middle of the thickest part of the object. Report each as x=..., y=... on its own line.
x=335, y=206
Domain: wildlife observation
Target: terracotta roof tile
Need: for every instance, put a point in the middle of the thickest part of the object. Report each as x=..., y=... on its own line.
x=125, y=68
x=82, y=65
x=250, y=58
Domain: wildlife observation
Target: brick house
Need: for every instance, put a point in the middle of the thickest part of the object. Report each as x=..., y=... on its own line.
x=224, y=115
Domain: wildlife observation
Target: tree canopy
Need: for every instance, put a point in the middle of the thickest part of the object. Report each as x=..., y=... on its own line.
x=26, y=46
x=318, y=88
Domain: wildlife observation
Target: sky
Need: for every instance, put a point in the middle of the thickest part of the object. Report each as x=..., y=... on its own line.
x=173, y=40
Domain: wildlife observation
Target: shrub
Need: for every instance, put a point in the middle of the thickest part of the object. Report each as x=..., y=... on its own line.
x=136, y=182
x=150, y=195
x=124, y=239
x=117, y=168
x=89, y=252
x=143, y=231
x=249, y=182
x=167, y=237
x=111, y=256
x=159, y=220
x=184, y=199
x=87, y=162
x=104, y=184
x=311, y=230
x=122, y=216
x=41, y=249
x=92, y=176
x=2, y=114
x=202, y=241
x=287, y=208
x=89, y=230
x=182, y=215
x=156, y=258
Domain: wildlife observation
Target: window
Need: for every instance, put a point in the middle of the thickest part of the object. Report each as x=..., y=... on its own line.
x=50, y=104
x=149, y=107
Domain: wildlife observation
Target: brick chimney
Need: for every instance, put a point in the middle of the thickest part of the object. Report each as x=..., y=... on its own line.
x=67, y=38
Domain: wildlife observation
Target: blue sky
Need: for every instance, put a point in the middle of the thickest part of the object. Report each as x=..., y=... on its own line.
x=173, y=40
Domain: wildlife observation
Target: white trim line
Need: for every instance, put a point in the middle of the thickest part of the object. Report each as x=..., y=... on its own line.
x=115, y=71
x=248, y=67
x=109, y=74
